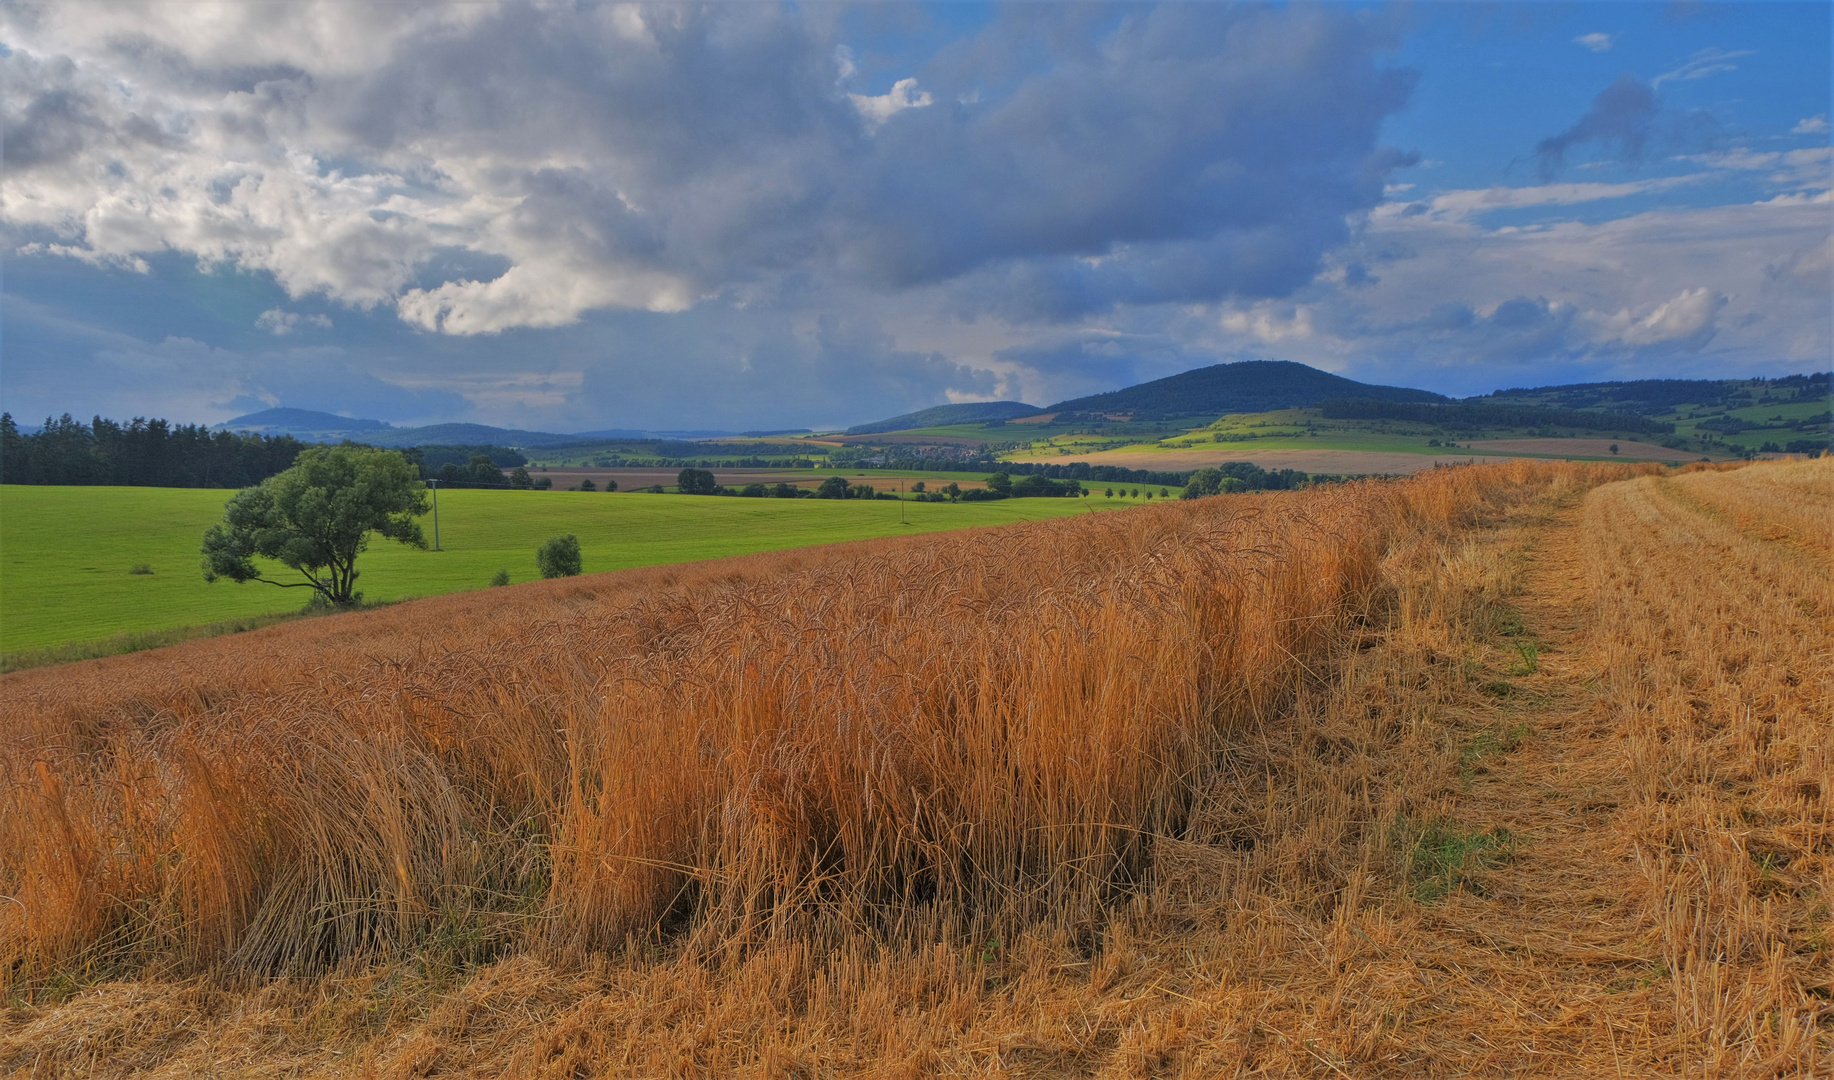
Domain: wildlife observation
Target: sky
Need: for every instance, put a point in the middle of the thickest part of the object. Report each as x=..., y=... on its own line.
x=573, y=217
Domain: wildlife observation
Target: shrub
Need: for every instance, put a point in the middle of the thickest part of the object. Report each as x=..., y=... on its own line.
x=588, y=485
x=543, y=483
x=140, y=568
x=501, y=577
x=755, y=491
x=611, y=485
x=559, y=557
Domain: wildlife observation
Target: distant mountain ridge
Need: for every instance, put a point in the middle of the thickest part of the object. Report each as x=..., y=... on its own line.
x=971, y=412
x=1242, y=387
x=314, y=426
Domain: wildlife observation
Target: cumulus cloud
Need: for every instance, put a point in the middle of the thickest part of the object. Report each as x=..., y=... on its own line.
x=1685, y=320
x=1811, y=125
x=1596, y=42
x=662, y=158
x=903, y=95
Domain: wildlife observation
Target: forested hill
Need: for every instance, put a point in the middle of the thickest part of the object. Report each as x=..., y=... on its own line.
x=1248, y=386
x=973, y=412
x=1655, y=396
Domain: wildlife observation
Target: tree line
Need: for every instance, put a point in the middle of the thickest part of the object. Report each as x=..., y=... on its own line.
x=140, y=453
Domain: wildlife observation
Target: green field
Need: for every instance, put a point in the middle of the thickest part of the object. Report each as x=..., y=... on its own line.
x=66, y=552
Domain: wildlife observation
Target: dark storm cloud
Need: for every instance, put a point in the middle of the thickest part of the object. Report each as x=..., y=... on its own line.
x=1624, y=124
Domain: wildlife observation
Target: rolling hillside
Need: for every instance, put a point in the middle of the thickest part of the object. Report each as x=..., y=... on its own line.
x=973, y=412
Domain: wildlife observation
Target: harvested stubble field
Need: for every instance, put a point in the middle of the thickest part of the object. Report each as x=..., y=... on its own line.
x=1509, y=770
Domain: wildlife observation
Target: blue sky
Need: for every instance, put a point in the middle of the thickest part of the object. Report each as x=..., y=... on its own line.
x=754, y=216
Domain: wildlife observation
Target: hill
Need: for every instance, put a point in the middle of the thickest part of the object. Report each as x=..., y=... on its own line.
x=299, y=422
x=1247, y=386
x=973, y=412
x=1656, y=396
x=468, y=435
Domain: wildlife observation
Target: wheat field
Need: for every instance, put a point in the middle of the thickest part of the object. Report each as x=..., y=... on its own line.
x=1515, y=769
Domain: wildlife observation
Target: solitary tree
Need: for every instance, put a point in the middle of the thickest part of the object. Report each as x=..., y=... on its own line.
x=316, y=518
x=559, y=557
x=695, y=482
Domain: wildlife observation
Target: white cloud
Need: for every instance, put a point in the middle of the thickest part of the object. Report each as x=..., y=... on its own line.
x=1811, y=125
x=903, y=95
x=281, y=323
x=1686, y=316
x=1811, y=166
x=1462, y=204
x=1702, y=64
x=1597, y=42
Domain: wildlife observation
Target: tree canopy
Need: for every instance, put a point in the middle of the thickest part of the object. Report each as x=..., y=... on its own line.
x=316, y=517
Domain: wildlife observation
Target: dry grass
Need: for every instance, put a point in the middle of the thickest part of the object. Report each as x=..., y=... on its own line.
x=1266, y=785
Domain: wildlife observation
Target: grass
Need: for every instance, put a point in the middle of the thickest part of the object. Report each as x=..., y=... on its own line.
x=1440, y=857
x=88, y=563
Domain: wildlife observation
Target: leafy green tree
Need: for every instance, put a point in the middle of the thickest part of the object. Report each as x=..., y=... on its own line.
x=588, y=485
x=611, y=485
x=543, y=483
x=755, y=491
x=917, y=488
x=834, y=487
x=1000, y=484
x=953, y=491
x=695, y=482
x=520, y=479
x=786, y=491
x=482, y=470
x=316, y=518
x=559, y=557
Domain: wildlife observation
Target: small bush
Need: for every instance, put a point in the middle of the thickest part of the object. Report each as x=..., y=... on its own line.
x=500, y=578
x=588, y=485
x=140, y=568
x=559, y=557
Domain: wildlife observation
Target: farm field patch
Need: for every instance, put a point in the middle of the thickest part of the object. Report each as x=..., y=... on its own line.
x=66, y=554
x=1374, y=455
x=632, y=479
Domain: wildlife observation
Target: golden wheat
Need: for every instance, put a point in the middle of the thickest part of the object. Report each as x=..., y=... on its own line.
x=1145, y=793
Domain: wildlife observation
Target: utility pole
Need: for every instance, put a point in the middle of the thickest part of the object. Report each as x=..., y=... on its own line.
x=434, y=484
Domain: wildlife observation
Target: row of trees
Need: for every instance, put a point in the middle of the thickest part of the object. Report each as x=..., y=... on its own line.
x=141, y=453
x=1234, y=476
x=1465, y=416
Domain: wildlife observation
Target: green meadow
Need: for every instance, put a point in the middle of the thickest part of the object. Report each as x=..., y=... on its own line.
x=66, y=553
